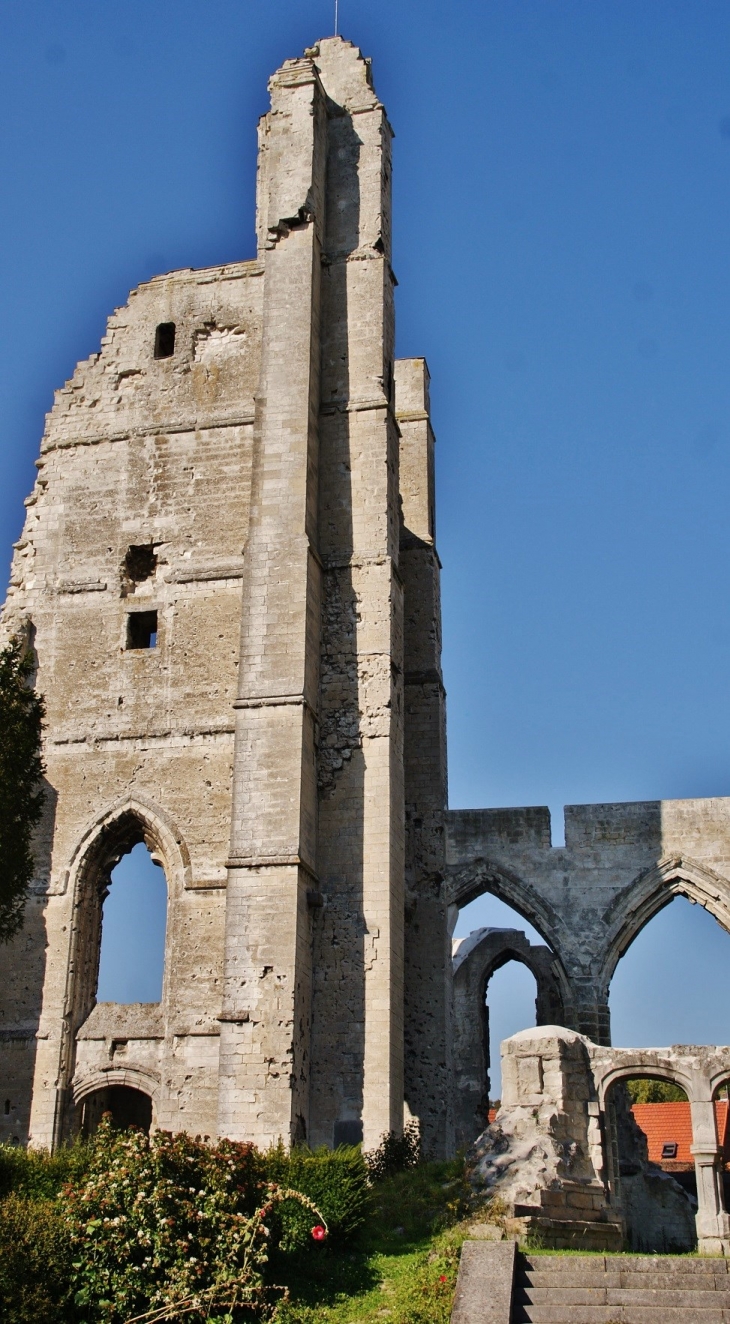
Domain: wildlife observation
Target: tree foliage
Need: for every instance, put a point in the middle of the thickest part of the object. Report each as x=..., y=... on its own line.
x=21, y=770
x=655, y=1091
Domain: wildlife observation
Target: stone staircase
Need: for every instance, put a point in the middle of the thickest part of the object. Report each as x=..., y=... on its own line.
x=620, y=1289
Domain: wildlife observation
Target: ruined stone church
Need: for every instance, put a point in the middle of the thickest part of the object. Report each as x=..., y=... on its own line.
x=229, y=571
x=229, y=579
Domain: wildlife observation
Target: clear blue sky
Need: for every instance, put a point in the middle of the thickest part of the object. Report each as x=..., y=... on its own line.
x=562, y=213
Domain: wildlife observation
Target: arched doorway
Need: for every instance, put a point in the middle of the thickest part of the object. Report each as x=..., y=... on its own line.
x=651, y=1170
x=127, y=1107
x=504, y=981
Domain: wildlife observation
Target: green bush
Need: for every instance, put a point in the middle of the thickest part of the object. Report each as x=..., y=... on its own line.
x=336, y=1181
x=35, y=1262
x=165, y=1226
x=395, y=1153
x=126, y=1224
x=38, y=1174
x=21, y=771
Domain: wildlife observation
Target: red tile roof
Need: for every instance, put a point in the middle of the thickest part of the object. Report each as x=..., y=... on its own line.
x=667, y=1123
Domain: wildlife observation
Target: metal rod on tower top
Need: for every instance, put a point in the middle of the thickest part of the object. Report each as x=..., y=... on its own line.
x=337, y=8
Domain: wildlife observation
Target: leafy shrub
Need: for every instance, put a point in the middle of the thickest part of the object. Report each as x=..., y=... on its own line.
x=36, y=1173
x=165, y=1226
x=335, y=1180
x=413, y=1205
x=35, y=1262
x=395, y=1153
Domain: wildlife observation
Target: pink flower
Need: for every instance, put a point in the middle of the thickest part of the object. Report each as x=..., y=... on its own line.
x=319, y=1233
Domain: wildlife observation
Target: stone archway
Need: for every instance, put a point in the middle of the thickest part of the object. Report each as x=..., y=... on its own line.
x=481, y=875
x=478, y=957
x=113, y=834
x=130, y=1097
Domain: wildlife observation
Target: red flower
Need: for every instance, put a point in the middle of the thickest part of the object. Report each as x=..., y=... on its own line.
x=442, y=1277
x=319, y=1233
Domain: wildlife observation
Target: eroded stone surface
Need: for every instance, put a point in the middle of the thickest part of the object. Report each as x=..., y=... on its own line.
x=564, y=1150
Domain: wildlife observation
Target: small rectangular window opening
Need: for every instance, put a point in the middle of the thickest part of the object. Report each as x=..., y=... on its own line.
x=142, y=629
x=7, y=1107
x=669, y=1149
x=165, y=340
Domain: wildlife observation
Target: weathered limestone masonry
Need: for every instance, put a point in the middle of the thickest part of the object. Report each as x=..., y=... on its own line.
x=620, y=865
x=552, y=1154
x=229, y=578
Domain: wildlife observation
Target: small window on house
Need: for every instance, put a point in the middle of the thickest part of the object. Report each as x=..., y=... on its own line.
x=165, y=340
x=142, y=629
x=669, y=1149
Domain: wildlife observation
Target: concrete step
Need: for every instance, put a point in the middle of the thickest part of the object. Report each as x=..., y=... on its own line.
x=626, y=1289
x=623, y=1296
x=619, y=1315
x=675, y=1264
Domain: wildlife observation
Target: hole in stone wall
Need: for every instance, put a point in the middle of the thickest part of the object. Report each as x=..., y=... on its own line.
x=133, y=924
x=672, y=986
x=140, y=564
x=7, y=1107
x=511, y=991
x=348, y=1133
x=142, y=629
x=165, y=340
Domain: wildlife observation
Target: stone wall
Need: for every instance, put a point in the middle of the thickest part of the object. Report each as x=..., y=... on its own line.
x=156, y=454
x=567, y=1161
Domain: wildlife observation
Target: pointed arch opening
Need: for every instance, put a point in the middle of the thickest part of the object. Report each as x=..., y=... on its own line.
x=650, y=893
x=133, y=929
x=672, y=983
x=142, y=882
x=92, y=877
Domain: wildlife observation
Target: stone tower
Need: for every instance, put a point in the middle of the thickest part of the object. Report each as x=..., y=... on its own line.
x=229, y=578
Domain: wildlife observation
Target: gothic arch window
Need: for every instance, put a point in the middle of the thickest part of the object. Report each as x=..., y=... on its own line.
x=133, y=925
x=672, y=985
x=114, y=837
